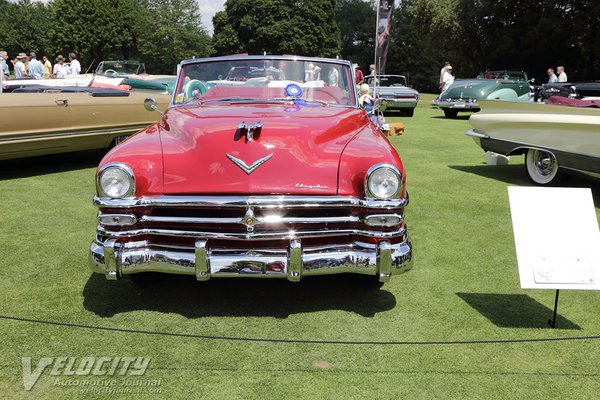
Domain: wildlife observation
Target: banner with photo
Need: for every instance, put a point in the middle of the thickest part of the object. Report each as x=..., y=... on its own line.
x=384, y=24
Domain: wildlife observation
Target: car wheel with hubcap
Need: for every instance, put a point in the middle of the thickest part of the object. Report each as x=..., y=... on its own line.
x=542, y=166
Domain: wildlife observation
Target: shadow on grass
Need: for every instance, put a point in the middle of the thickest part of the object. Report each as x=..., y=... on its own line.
x=460, y=117
x=513, y=174
x=235, y=297
x=514, y=311
x=51, y=164
x=516, y=175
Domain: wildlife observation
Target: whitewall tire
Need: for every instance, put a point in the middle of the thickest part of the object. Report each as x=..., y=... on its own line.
x=542, y=166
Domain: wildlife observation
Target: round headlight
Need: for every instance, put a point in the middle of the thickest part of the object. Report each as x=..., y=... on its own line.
x=384, y=181
x=116, y=181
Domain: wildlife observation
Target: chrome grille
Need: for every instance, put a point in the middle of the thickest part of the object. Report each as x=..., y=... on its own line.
x=250, y=218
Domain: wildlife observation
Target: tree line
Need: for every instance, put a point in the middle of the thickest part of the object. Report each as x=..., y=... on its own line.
x=474, y=35
x=159, y=33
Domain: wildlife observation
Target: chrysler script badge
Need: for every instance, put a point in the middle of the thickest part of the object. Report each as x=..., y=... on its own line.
x=248, y=169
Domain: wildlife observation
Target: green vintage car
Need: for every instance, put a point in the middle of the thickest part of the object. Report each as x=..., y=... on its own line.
x=464, y=94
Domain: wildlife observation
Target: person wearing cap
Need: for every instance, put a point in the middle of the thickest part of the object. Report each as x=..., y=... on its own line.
x=20, y=70
x=75, y=67
x=36, y=69
x=60, y=68
x=447, y=78
x=360, y=77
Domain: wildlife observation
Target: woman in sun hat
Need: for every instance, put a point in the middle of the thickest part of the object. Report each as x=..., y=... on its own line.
x=60, y=68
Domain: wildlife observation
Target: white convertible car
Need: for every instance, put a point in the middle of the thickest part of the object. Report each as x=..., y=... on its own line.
x=561, y=134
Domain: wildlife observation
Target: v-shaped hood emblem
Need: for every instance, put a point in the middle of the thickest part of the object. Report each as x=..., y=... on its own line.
x=248, y=169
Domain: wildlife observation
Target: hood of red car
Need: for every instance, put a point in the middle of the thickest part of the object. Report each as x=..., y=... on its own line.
x=296, y=151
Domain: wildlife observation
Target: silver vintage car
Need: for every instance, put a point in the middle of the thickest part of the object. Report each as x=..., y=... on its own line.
x=394, y=90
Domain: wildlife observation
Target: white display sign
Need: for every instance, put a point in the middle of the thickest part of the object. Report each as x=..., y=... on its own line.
x=556, y=237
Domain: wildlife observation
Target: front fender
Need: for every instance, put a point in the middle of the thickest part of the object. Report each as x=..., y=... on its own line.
x=142, y=152
x=366, y=149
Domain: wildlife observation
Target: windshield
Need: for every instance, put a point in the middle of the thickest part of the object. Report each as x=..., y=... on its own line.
x=506, y=75
x=268, y=79
x=121, y=67
x=387, y=80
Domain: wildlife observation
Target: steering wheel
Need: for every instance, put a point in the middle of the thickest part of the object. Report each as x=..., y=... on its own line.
x=112, y=72
x=193, y=89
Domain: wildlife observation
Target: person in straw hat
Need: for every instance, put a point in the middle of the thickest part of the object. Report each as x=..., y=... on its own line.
x=60, y=68
x=20, y=70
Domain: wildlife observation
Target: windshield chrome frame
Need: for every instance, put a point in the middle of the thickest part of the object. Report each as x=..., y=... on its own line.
x=352, y=86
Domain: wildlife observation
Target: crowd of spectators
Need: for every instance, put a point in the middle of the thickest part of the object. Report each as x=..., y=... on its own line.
x=29, y=67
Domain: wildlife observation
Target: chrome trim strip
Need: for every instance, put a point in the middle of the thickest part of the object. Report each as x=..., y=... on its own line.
x=117, y=130
x=202, y=270
x=267, y=201
x=251, y=235
x=274, y=220
x=294, y=270
x=474, y=133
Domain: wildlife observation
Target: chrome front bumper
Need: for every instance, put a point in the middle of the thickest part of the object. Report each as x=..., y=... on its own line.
x=284, y=236
x=384, y=259
x=394, y=103
x=457, y=104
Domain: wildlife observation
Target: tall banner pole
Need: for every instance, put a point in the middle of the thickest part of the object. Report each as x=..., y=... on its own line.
x=382, y=39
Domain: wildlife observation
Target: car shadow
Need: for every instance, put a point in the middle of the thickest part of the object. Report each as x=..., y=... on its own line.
x=516, y=175
x=235, y=297
x=464, y=117
x=513, y=174
x=514, y=311
x=51, y=164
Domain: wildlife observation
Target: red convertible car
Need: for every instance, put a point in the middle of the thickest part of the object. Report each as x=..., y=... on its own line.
x=277, y=175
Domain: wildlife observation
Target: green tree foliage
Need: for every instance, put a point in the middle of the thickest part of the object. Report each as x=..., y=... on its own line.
x=356, y=20
x=305, y=27
x=24, y=27
x=171, y=31
x=94, y=29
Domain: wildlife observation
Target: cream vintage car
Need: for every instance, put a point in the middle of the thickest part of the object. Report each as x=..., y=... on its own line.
x=42, y=120
x=550, y=136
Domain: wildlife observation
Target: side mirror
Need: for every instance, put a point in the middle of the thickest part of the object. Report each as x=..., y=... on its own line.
x=150, y=105
x=532, y=80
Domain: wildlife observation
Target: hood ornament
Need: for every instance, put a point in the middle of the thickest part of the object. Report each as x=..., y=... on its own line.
x=248, y=169
x=252, y=130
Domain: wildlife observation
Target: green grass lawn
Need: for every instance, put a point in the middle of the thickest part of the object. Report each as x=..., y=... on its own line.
x=464, y=287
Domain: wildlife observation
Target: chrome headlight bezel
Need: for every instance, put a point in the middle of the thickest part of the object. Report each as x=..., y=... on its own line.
x=377, y=167
x=124, y=168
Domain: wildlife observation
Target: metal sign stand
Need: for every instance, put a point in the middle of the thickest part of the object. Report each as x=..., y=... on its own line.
x=552, y=322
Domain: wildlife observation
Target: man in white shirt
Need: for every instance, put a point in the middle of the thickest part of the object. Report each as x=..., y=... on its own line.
x=441, y=81
x=75, y=68
x=447, y=78
x=20, y=71
x=36, y=69
x=562, y=75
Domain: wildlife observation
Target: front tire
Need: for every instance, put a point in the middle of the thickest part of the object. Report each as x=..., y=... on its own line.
x=542, y=166
x=449, y=113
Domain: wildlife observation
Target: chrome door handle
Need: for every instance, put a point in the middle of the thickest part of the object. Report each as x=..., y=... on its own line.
x=63, y=103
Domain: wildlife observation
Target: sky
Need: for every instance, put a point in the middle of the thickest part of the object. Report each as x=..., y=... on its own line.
x=208, y=8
